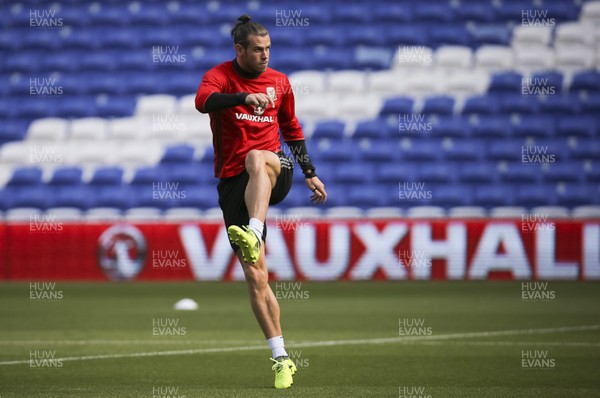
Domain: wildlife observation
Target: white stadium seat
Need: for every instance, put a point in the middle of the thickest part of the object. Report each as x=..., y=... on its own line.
x=347, y=81
x=573, y=59
x=467, y=212
x=426, y=212
x=181, y=214
x=384, y=212
x=386, y=83
x=90, y=155
x=138, y=154
x=307, y=82
x=317, y=107
x=306, y=213
x=48, y=129
x=65, y=213
x=450, y=58
x=213, y=214
x=531, y=36
x=574, y=34
x=15, y=153
x=88, y=128
x=186, y=105
x=590, y=12
x=153, y=105
x=413, y=57
x=424, y=83
x=508, y=212
x=344, y=212
x=125, y=129
x=103, y=214
x=143, y=214
x=494, y=58
x=590, y=211
x=551, y=211
x=534, y=59
x=354, y=107
x=466, y=83
x=22, y=214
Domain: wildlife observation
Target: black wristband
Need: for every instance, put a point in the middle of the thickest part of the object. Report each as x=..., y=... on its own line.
x=309, y=173
x=300, y=155
x=242, y=97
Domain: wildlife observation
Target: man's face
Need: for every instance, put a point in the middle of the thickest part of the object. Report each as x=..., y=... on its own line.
x=255, y=57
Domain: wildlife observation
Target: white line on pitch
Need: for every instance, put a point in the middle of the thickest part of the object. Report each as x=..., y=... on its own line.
x=329, y=343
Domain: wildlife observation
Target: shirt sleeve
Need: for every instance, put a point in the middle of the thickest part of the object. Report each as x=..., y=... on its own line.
x=212, y=82
x=288, y=122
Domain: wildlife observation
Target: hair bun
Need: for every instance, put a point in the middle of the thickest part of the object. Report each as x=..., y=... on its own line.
x=244, y=18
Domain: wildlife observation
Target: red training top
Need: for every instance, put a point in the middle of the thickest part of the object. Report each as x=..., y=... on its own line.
x=239, y=129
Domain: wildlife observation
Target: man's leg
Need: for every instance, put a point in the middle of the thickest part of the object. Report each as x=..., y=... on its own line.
x=263, y=168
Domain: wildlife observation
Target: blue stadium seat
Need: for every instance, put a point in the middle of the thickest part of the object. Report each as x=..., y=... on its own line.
x=593, y=175
x=74, y=107
x=152, y=15
x=518, y=103
x=392, y=12
x=352, y=13
x=450, y=35
x=366, y=35
x=493, y=195
x=536, y=195
x=562, y=11
x=32, y=40
x=371, y=195
x=147, y=176
x=25, y=176
x=66, y=176
x=120, y=197
x=577, y=126
x=577, y=195
x=324, y=36
x=452, y=195
x=560, y=104
x=81, y=197
x=441, y=105
x=505, y=150
x=126, y=38
x=409, y=35
x=586, y=149
x=202, y=37
x=490, y=34
x=145, y=84
x=373, y=58
x=380, y=152
x=564, y=172
x=133, y=60
x=395, y=173
x=83, y=39
x=180, y=154
x=521, y=173
x=477, y=172
x=12, y=130
x=107, y=176
x=433, y=12
x=592, y=104
x=475, y=12
x=513, y=11
x=34, y=108
x=437, y=173
x=333, y=129
x=188, y=13
x=160, y=40
x=331, y=58
x=353, y=172
x=422, y=150
x=373, y=129
x=99, y=61
x=23, y=62
x=506, y=82
x=184, y=174
x=450, y=126
x=62, y=61
x=286, y=37
x=586, y=81
x=104, y=83
x=464, y=150
x=116, y=106
x=534, y=126
x=202, y=197
x=491, y=127
x=38, y=196
x=397, y=105
x=552, y=81
x=481, y=104
x=291, y=61
x=110, y=17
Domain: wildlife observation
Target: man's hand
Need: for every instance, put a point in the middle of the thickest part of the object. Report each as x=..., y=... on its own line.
x=318, y=188
x=259, y=100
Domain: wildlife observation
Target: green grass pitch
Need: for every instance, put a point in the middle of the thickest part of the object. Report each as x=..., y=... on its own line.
x=352, y=339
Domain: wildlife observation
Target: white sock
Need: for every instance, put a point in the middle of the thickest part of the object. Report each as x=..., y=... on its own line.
x=257, y=227
x=277, y=347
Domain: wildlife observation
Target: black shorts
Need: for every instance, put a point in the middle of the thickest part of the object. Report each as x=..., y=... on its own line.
x=232, y=189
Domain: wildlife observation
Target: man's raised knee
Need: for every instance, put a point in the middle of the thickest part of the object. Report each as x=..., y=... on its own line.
x=255, y=161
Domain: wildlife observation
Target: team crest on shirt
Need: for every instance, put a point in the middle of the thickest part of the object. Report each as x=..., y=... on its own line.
x=272, y=93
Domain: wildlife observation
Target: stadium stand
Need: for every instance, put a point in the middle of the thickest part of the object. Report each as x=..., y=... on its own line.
x=465, y=96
